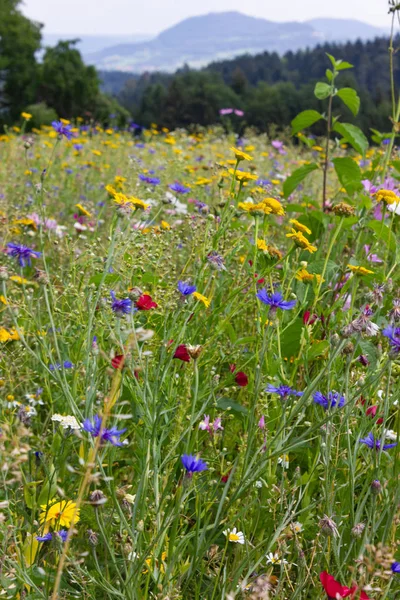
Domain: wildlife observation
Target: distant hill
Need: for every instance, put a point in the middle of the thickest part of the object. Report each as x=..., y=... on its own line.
x=88, y=44
x=196, y=41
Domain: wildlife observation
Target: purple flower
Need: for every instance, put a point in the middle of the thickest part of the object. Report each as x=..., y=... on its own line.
x=62, y=129
x=150, y=180
x=374, y=444
x=395, y=567
x=45, y=538
x=393, y=335
x=369, y=187
x=225, y=111
x=334, y=399
x=23, y=253
x=275, y=300
x=216, y=260
x=63, y=534
x=283, y=390
x=67, y=364
x=238, y=112
x=179, y=188
x=185, y=288
x=193, y=464
x=111, y=434
x=277, y=144
x=121, y=307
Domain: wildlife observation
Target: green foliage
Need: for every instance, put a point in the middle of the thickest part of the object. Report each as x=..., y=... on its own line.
x=305, y=119
x=348, y=173
x=353, y=135
x=41, y=114
x=19, y=42
x=297, y=177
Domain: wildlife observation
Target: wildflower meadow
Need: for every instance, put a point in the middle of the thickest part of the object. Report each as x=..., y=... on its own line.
x=200, y=343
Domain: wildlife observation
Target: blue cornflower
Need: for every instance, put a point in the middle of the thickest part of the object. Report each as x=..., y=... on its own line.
x=395, y=567
x=393, y=335
x=111, y=434
x=333, y=400
x=193, y=464
x=62, y=129
x=185, y=288
x=375, y=444
x=63, y=534
x=275, y=300
x=150, y=180
x=67, y=364
x=283, y=390
x=23, y=253
x=179, y=188
x=121, y=307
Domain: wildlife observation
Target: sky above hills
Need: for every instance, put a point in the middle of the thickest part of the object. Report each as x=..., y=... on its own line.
x=152, y=16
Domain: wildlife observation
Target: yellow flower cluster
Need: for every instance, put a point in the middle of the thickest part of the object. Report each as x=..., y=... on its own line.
x=267, y=249
x=387, y=196
x=123, y=200
x=267, y=206
x=8, y=335
x=306, y=277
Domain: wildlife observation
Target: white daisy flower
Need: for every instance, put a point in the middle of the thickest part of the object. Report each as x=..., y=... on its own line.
x=234, y=535
x=274, y=559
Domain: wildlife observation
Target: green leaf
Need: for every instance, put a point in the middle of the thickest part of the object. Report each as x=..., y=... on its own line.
x=353, y=135
x=305, y=119
x=297, y=177
x=322, y=90
x=348, y=173
x=329, y=74
x=350, y=98
x=228, y=404
x=383, y=233
x=341, y=65
x=318, y=349
x=290, y=339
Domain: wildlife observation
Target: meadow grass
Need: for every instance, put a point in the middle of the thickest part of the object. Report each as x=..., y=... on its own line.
x=269, y=366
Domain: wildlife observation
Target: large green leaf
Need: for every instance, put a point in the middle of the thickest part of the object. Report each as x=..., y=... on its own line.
x=297, y=177
x=348, y=173
x=353, y=135
x=322, y=90
x=231, y=405
x=290, y=339
x=350, y=98
x=305, y=119
x=383, y=233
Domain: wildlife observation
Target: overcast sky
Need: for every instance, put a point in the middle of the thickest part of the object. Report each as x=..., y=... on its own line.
x=152, y=16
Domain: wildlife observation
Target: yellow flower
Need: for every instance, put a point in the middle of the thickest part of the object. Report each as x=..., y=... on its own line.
x=259, y=208
x=243, y=176
x=318, y=148
x=65, y=121
x=60, y=514
x=203, y=181
x=96, y=152
x=4, y=335
x=3, y=300
x=301, y=241
x=306, y=277
x=267, y=249
x=28, y=172
x=111, y=190
x=359, y=270
x=300, y=227
x=387, y=196
x=240, y=155
x=165, y=225
x=261, y=245
x=275, y=206
x=202, y=299
x=19, y=279
x=25, y=221
x=26, y=116
x=83, y=210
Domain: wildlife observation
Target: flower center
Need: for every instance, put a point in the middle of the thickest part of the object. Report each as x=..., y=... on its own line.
x=233, y=537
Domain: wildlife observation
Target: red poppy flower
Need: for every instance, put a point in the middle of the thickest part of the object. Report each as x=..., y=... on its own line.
x=371, y=412
x=118, y=361
x=182, y=353
x=145, y=302
x=335, y=590
x=241, y=379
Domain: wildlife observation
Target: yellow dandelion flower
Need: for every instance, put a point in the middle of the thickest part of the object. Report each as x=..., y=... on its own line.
x=300, y=227
x=206, y=301
x=306, y=277
x=261, y=245
x=240, y=155
x=59, y=514
x=359, y=270
x=165, y=225
x=301, y=241
x=387, y=196
x=275, y=206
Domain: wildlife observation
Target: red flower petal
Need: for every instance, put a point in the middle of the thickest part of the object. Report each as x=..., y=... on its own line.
x=182, y=353
x=371, y=410
x=118, y=361
x=145, y=302
x=333, y=587
x=241, y=379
